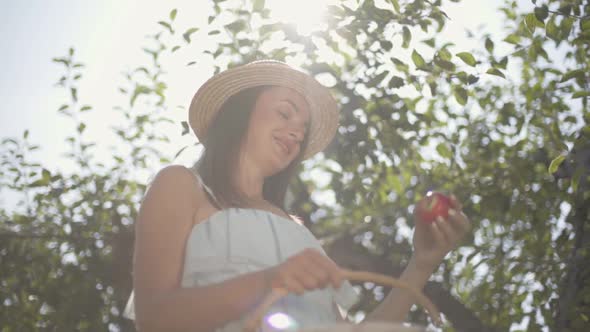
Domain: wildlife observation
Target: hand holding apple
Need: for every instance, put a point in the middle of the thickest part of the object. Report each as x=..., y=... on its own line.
x=440, y=226
x=434, y=205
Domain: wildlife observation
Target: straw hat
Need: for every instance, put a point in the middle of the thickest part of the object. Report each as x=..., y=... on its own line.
x=324, y=112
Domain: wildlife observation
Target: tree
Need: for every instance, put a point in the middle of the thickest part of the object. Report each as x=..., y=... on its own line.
x=506, y=132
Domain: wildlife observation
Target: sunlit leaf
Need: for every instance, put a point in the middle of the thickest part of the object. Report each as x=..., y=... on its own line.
x=577, y=73
x=541, y=13
x=513, y=39
x=187, y=34
x=581, y=94
x=555, y=164
x=173, y=14
x=467, y=57
x=166, y=25
x=407, y=37
x=418, y=59
x=530, y=21
x=395, y=4
x=495, y=71
x=460, y=95
x=489, y=44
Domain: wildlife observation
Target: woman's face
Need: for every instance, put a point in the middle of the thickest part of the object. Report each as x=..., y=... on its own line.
x=277, y=127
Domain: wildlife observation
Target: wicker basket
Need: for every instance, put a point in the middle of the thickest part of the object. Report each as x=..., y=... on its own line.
x=254, y=321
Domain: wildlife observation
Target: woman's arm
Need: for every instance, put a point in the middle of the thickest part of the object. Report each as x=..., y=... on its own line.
x=397, y=303
x=432, y=242
x=162, y=227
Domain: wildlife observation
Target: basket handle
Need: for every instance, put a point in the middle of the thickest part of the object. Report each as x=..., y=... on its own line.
x=254, y=320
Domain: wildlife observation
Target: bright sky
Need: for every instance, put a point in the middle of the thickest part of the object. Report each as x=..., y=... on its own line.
x=108, y=37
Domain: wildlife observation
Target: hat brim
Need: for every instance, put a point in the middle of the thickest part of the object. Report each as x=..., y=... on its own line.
x=209, y=99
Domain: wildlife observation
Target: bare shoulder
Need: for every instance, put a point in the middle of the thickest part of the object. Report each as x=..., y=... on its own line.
x=175, y=187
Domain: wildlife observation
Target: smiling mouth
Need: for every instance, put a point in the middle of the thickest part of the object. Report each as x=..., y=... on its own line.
x=282, y=145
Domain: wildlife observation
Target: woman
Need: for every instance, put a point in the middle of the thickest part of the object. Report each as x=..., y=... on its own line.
x=213, y=241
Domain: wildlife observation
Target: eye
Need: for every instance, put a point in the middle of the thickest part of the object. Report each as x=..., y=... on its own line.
x=284, y=112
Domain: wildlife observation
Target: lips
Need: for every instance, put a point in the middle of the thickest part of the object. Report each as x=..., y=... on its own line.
x=286, y=147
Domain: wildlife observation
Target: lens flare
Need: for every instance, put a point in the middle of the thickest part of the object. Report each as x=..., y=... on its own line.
x=282, y=322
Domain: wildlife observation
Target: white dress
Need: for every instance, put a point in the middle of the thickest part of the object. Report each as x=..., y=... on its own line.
x=235, y=241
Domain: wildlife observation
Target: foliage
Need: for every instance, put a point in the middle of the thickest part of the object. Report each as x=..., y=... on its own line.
x=417, y=114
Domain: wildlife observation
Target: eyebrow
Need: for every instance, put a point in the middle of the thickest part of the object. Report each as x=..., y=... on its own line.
x=296, y=110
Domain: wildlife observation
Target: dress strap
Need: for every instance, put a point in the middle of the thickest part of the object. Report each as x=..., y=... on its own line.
x=206, y=188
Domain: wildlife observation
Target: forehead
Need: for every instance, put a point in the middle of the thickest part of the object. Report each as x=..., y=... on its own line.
x=280, y=93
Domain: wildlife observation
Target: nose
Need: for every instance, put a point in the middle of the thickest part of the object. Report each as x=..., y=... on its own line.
x=296, y=133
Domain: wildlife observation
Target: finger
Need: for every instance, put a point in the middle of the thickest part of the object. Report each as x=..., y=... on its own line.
x=446, y=230
x=293, y=285
x=437, y=233
x=317, y=275
x=460, y=220
x=456, y=203
x=333, y=272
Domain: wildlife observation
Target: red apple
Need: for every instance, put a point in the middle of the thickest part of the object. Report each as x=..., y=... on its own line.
x=433, y=205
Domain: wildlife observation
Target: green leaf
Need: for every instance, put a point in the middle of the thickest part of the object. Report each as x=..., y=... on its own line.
x=513, y=39
x=566, y=26
x=444, y=64
x=407, y=37
x=213, y=32
x=191, y=63
x=26, y=134
x=585, y=25
x=555, y=164
x=166, y=25
x=46, y=175
x=581, y=94
x=187, y=34
x=174, y=49
x=139, y=89
x=472, y=79
x=418, y=59
x=541, y=13
x=578, y=73
x=551, y=29
x=460, y=95
x=444, y=54
x=489, y=45
x=81, y=127
x=258, y=5
x=531, y=22
x=63, y=107
x=495, y=71
x=74, y=93
x=468, y=58
x=395, y=4
x=444, y=150
x=173, y=14
x=63, y=61
x=396, y=82
x=85, y=108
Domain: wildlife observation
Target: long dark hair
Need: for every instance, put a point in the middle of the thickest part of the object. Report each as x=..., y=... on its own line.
x=222, y=148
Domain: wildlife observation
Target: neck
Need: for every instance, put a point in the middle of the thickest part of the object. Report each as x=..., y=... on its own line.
x=249, y=180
